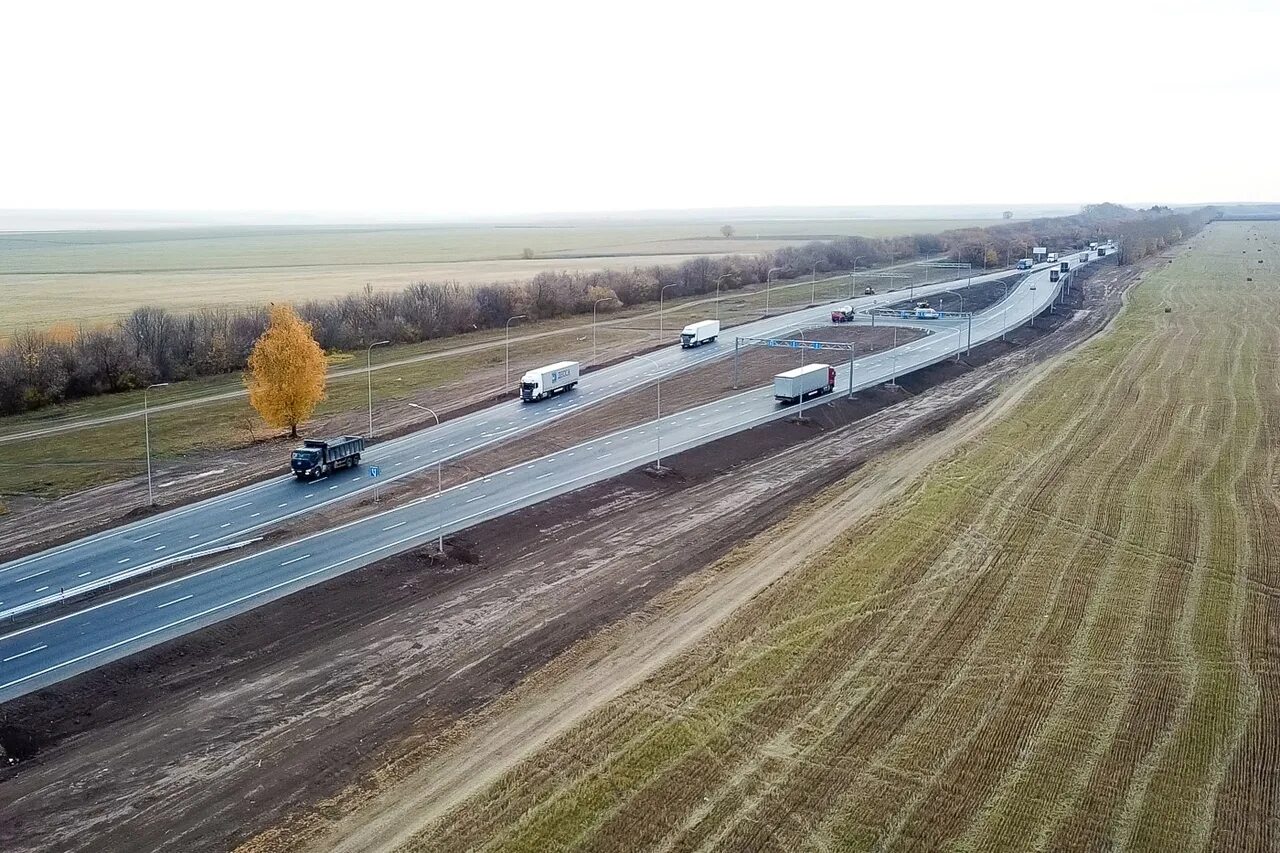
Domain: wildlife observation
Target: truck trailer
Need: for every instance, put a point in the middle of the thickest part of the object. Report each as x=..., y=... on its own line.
x=843, y=314
x=697, y=334
x=1064, y=266
x=809, y=381
x=1054, y=274
x=317, y=458
x=1026, y=264
x=542, y=382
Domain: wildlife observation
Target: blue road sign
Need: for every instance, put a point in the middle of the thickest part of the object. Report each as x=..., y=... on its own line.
x=374, y=471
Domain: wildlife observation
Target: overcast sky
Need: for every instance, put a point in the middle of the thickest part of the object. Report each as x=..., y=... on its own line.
x=447, y=109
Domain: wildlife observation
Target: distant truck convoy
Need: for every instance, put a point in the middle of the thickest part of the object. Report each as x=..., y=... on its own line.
x=316, y=458
x=542, y=382
x=808, y=381
x=1025, y=264
x=697, y=334
x=843, y=314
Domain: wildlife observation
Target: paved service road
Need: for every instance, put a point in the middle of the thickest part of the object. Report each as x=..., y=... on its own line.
x=45, y=653
x=237, y=517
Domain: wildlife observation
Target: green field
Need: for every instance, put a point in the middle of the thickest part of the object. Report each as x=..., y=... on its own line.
x=99, y=276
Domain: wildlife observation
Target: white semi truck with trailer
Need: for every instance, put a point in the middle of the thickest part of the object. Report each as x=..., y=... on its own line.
x=808, y=381
x=542, y=382
x=697, y=334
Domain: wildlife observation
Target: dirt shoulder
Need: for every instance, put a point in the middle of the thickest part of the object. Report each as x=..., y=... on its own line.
x=340, y=690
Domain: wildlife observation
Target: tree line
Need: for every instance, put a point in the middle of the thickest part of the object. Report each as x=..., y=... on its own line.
x=153, y=344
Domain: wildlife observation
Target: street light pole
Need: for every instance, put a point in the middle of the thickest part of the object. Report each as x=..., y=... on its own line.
x=146, y=431
x=510, y=320
x=720, y=279
x=853, y=276
x=768, y=279
x=661, y=293
x=439, y=488
x=813, y=286
x=594, y=306
x=657, y=424
x=368, y=373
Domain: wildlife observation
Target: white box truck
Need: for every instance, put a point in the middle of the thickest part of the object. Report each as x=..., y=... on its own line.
x=542, y=382
x=808, y=381
x=697, y=334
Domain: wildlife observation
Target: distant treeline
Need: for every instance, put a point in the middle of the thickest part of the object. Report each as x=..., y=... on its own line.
x=152, y=344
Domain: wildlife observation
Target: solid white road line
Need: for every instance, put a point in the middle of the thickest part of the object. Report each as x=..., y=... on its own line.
x=24, y=654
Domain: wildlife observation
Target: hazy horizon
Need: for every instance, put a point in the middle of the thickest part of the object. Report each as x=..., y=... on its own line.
x=449, y=113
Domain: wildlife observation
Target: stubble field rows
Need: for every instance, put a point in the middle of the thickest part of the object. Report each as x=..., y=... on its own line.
x=1065, y=636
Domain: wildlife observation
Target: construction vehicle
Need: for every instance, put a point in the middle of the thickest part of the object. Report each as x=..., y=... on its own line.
x=318, y=458
x=870, y=291
x=843, y=314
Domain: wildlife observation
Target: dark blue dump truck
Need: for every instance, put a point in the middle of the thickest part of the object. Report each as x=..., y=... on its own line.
x=317, y=458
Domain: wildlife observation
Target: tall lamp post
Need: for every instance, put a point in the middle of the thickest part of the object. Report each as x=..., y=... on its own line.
x=853, y=277
x=368, y=373
x=813, y=285
x=657, y=424
x=510, y=320
x=720, y=279
x=439, y=488
x=146, y=432
x=661, y=293
x=768, y=280
x=594, y=306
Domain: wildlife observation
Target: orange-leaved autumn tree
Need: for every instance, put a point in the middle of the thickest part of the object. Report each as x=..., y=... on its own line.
x=286, y=371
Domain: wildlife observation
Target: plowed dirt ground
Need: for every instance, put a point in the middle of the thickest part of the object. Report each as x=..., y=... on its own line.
x=1063, y=635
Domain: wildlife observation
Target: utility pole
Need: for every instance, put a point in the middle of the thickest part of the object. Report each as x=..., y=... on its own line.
x=510, y=320
x=439, y=488
x=368, y=372
x=146, y=431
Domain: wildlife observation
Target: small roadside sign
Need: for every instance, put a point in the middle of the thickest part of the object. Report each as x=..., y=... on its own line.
x=374, y=470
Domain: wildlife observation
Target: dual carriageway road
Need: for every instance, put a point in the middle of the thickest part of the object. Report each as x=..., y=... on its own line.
x=44, y=653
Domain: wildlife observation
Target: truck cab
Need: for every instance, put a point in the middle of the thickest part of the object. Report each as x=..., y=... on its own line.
x=1025, y=264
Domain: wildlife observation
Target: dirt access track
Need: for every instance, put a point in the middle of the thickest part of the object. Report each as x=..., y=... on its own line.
x=338, y=691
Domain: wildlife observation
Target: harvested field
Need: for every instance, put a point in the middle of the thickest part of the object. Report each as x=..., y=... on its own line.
x=1064, y=634
x=343, y=689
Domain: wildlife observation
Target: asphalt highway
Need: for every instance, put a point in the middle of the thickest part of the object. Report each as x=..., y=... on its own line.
x=236, y=518
x=45, y=653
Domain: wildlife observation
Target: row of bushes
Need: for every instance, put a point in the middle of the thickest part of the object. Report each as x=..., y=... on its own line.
x=152, y=344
